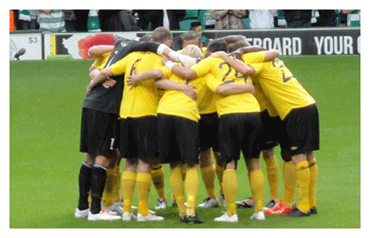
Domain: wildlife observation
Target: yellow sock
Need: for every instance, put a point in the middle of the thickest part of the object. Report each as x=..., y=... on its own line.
x=191, y=188
x=303, y=184
x=219, y=173
x=230, y=188
x=108, y=189
x=158, y=180
x=257, y=182
x=208, y=175
x=272, y=168
x=112, y=186
x=89, y=199
x=143, y=182
x=128, y=187
x=289, y=176
x=117, y=184
x=313, y=181
x=177, y=185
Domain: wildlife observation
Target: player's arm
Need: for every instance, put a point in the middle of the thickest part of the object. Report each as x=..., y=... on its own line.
x=244, y=50
x=117, y=68
x=99, y=78
x=98, y=51
x=185, y=60
x=181, y=71
x=235, y=63
x=133, y=80
x=167, y=84
x=269, y=54
x=232, y=88
x=92, y=67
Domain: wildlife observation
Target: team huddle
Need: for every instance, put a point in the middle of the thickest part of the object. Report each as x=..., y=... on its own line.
x=153, y=106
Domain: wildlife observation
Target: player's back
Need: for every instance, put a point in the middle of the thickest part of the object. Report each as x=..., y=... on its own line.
x=263, y=101
x=206, y=99
x=101, y=98
x=143, y=99
x=223, y=74
x=177, y=103
x=281, y=87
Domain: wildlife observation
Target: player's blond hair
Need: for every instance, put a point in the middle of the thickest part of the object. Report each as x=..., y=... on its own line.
x=192, y=51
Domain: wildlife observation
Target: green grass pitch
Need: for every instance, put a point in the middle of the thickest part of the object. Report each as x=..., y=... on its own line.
x=45, y=111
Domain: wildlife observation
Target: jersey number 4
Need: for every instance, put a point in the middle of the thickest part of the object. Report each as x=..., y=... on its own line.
x=229, y=71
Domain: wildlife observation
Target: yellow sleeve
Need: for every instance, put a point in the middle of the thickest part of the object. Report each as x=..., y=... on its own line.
x=257, y=67
x=202, y=68
x=213, y=83
x=166, y=72
x=119, y=67
x=249, y=80
x=254, y=57
x=100, y=62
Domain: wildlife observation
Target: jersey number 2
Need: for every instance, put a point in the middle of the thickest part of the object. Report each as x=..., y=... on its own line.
x=280, y=64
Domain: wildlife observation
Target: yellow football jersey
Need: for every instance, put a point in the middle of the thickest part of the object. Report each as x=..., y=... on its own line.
x=254, y=57
x=258, y=57
x=207, y=101
x=208, y=104
x=280, y=87
x=223, y=73
x=143, y=99
x=176, y=103
x=263, y=101
x=100, y=62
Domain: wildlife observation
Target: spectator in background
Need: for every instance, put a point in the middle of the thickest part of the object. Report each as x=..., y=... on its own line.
x=342, y=18
x=352, y=17
x=108, y=20
x=262, y=19
x=197, y=27
x=76, y=20
x=298, y=18
x=229, y=19
x=127, y=21
x=52, y=21
x=69, y=19
x=195, y=33
x=151, y=19
x=326, y=18
x=82, y=16
x=28, y=19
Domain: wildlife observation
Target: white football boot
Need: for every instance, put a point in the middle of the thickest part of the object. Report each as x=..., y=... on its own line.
x=226, y=218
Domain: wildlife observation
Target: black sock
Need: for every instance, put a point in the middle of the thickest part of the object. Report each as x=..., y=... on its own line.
x=99, y=175
x=84, y=181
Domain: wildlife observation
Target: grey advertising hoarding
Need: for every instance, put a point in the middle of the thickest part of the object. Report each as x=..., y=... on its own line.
x=289, y=42
x=307, y=41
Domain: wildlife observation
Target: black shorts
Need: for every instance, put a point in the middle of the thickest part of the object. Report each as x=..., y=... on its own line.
x=270, y=130
x=177, y=139
x=208, y=132
x=301, y=132
x=99, y=132
x=138, y=137
x=240, y=132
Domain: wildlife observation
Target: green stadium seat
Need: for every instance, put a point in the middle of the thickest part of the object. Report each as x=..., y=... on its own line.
x=191, y=15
